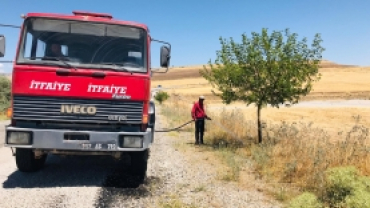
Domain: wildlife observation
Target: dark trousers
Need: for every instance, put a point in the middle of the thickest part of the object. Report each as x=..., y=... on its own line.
x=199, y=131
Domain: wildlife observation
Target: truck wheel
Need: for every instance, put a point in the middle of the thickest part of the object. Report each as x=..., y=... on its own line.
x=139, y=164
x=26, y=161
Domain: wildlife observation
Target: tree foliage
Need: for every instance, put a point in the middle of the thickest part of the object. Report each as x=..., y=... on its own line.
x=5, y=93
x=265, y=69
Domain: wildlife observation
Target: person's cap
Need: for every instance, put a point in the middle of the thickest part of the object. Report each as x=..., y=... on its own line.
x=201, y=97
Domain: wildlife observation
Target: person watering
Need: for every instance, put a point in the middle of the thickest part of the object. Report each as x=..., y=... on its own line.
x=199, y=115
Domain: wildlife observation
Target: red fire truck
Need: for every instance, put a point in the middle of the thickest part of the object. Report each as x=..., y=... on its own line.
x=81, y=86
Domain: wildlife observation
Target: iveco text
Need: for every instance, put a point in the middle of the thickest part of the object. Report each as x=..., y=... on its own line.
x=78, y=109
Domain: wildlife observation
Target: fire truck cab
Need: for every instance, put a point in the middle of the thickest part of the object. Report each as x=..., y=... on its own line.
x=81, y=86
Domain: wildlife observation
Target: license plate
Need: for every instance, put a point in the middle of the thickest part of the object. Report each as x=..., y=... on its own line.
x=98, y=146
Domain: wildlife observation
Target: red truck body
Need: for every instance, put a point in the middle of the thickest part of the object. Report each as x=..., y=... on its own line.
x=81, y=83
x=92, y=98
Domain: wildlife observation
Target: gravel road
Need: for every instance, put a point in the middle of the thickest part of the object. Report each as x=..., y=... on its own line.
x=78, y=181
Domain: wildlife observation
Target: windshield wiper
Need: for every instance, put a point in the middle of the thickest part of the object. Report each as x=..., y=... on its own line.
x=118, y=67
x=60, y=59
x=48, y=58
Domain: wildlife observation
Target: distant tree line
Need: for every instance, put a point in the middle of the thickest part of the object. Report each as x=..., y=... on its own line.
x=5, y=92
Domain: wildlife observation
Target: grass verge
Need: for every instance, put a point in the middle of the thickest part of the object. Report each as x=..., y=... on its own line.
x=294, y=156
x=3, y=116
x=229, y=157
x=172, y=201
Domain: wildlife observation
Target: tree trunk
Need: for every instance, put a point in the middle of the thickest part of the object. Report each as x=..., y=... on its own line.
x=259, y=124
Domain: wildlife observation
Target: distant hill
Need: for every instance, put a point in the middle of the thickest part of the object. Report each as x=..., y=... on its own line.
x=193, y=71
x=330, y=64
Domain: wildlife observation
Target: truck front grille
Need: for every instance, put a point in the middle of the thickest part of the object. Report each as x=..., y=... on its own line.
x=34, y=108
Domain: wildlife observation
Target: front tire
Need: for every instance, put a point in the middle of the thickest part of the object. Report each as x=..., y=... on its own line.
x=26, y=161
x=139, y=164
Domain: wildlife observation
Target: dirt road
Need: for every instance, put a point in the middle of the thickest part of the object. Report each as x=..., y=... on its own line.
x=173, y=176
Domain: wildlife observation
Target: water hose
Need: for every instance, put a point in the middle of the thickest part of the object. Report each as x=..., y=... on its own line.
x=174, y=129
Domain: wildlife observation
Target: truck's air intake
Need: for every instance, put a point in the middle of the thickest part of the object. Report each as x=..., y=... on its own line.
x=49, y=109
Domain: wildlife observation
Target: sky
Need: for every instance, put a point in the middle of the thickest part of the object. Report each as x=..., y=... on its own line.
x=193, y=27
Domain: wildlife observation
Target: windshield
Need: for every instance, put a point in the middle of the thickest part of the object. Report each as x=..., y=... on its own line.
x=83, y=44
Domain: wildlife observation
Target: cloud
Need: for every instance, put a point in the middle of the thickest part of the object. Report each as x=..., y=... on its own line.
x=2, y=68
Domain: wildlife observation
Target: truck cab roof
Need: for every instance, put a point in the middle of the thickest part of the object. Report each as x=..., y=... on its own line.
x=89, y=16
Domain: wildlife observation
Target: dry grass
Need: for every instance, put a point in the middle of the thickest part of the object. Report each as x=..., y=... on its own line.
x=178, y=112
x=333, y=120
x=3, y=116
x=169, y=200
x=299, y=144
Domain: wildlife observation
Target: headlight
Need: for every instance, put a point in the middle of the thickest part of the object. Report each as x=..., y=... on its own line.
x=19, y=137
x=132, y=141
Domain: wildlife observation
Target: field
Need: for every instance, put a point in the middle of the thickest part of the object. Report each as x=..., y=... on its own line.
x=338, y=82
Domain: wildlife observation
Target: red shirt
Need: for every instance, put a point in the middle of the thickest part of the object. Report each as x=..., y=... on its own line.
x=198, y=111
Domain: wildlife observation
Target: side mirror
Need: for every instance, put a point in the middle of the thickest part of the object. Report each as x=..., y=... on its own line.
x=165, y=56
x=2, y=45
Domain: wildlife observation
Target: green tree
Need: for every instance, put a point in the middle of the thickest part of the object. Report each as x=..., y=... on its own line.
x=265, y=69
x=5, y=92
x=161, y=96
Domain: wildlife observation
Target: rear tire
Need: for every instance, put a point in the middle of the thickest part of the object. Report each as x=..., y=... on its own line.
x=139, y=164
x=26, y=161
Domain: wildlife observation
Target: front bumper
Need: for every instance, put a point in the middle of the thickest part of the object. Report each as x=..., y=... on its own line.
x=54, y=139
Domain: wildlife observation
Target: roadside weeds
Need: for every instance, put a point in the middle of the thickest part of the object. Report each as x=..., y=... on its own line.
x=3, y=116
x=285, y=161
x=228, y=168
